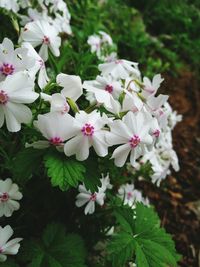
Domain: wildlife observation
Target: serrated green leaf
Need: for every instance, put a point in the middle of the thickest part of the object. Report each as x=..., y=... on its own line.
x=63, y=171
x=92, y=177
x=121, y=249
x=56, y=249
x=150, y=244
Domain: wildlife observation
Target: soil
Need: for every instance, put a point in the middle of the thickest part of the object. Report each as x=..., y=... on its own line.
x=177, y=201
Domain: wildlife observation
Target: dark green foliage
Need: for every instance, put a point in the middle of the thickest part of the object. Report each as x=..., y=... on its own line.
x=142, y=239
x=55, y=249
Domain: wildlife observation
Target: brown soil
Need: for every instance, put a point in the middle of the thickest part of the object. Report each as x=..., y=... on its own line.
x=178, y=199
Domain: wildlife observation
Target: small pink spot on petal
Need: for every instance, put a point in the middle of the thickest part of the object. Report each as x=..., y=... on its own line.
x=134, y=141
x=7, y=69
x=46, y=40
x=93, y=197
x=109, y=88
x=118, y=61
x=4, y=197
x=3, y=97
x=156, y=133
x=56, y=141
x=87, y=130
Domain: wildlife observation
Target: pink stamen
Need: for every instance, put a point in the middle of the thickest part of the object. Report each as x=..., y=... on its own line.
x=7, y=69
x=4, y=197
x=134, y=141
x=129, y=195
x=87, y=130
x=41, y=62
x=66, y=108
x=156, y=133
x=118, y=61
x=46, y=40
x=3, y=97
x=93, y=197
x=56, y=141
x=109, y=88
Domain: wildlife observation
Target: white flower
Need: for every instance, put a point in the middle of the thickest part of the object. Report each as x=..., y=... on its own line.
x=85, y=196
x=39, y=66
x=120, y=69
x=10, y=5
x=58, y=102
x=105, y=183
x=133, y=133
x=72, y=86
x=130, y=195
x=13, y=60
x=95, y=43
x=106, y=38
x=106, y=91
x=55, y=127
x=16, y=91
x=42, y=33
x=88, y=132
x=9, y=194
x=150, y=88
x=8, y=247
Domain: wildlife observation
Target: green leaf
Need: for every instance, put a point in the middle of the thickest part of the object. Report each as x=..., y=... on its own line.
x=25, y=164
x=121, y=249
x=63, y=171
x=141, y=232
x=56, y=249
x=9, y=263
x=92, y=177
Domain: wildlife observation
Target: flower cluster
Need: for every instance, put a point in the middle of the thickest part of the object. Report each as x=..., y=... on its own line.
x=9, y=196
x=102, y=44
x=126, y=116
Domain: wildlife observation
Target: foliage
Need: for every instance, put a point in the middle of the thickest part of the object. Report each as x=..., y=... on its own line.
x=142, y=238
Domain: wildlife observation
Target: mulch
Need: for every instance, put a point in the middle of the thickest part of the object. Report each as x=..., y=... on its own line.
x=177, y=201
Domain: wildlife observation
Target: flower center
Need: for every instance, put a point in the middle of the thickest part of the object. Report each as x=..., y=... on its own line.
x=4, y=197
x=87, y=129
x=93, y=197
x=156, y=133
x=3, y=97
x=129, y=195
x=118, y=61
x=56, y=141
x=7, y=69
x=109, y=88
x=134, y=141
x=46, y=40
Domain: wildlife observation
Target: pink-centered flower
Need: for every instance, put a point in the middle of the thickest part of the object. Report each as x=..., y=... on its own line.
x=9, y=196
x=86, y=197
x=87, y=132
x=132, y=132
x=42, y=33
x=55, y=127
x=15, y=91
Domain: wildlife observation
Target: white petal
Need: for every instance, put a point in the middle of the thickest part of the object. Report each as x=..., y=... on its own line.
x=120, y=154
x=72, y=85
